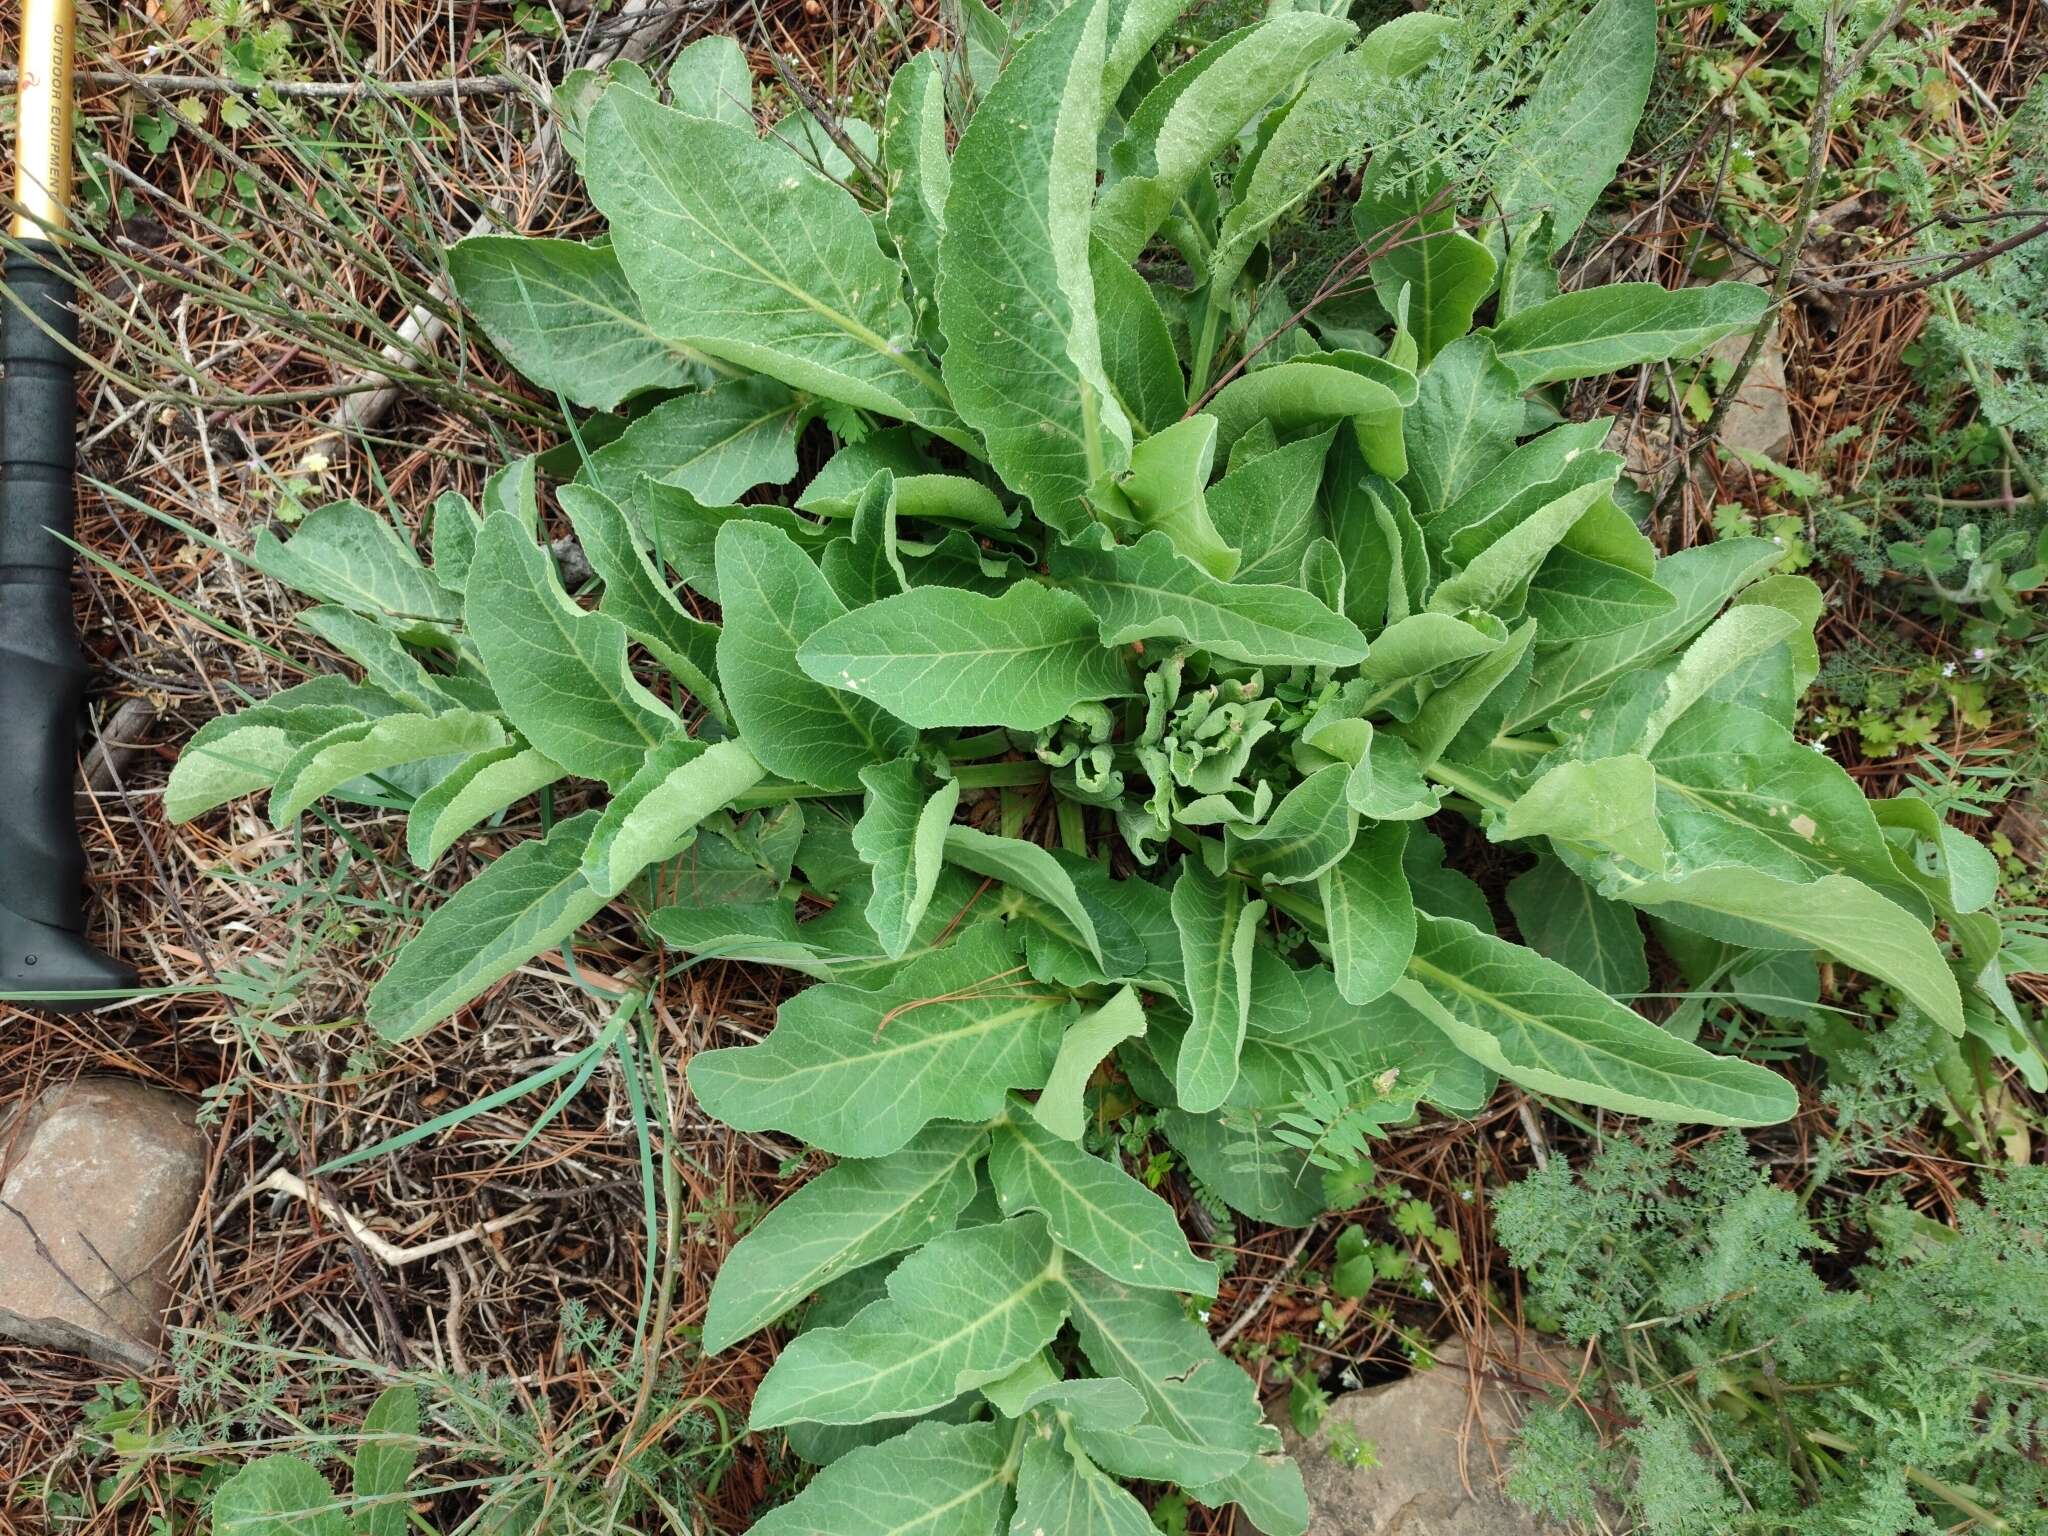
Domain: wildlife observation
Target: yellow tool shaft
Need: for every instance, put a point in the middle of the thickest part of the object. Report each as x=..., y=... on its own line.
x=42, y=167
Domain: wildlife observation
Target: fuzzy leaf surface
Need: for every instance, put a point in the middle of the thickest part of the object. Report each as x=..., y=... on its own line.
x=938, y=656
x=774, y=603
x=736, y=250
x=855, y=1212
x=902, y=836
x=560, y=671
x=860, y=1072
x=1537, y=1024
x=932, y=1480
x=524, y=901
x=1146, y=590
x=1095, y=1210
x=564, y=315
x=1016, y=299
x=967, y=1308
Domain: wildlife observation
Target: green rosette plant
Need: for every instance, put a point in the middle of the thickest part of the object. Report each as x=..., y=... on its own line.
x=1103, y=698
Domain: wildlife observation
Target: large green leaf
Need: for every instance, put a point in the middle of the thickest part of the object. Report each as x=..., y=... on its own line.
x=1601, y=330
x=775, y=602
x=1317, y=133
x=385, y=661
x=1059, y=1489
x=1311, y=391
x=1410, y=216
x=1424, y=643
x=277, y=1493
x=561, y=672
x=902, y=836
x=523, y=901
x=852, y=1214
x=1305, y=834
x=919, y=174
x=1192, y=115
x=346, y=554
x=1137, y=349
x=967, y=1308
x=860, y=1072
x=710, y=78
x=1265, y=507
x=384, y=1461
x=1564, y=919
x=1580, y=119
x=933, y=1480
x=1609, y=803
x=1095, y=1210
x=1467, y=413
x=1535, y=473
x=1016, y=299
x=374, y=748
x=1537, y=1024
x=1700, y=579
x=1575, y=597
x=480, y=786
x=1836, y=913
x=231, y=755
x=1164, y=490
x=1217, y=926
x=1452, y=707
x=654, y=817
x=1734, y=787
x=1499, y=573
x=938, y=656
x=735, y=249
x=1033, y=870
x=1371, y=916
x=1061, y=1108
x=1147, y=591
x=564, y=315
x=1192, y=1393
x=637, y=596
x=717, y=444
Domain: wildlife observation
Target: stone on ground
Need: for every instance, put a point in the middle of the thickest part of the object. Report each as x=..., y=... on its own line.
x=98, y=1181
x=1433, y=1475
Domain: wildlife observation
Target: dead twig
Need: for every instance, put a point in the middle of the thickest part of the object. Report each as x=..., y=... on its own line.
x=387, y=1252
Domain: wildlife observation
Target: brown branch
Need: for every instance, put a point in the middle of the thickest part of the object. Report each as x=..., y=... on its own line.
x=1954, y=269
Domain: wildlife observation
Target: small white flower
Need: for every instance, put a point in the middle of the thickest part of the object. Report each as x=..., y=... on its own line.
x=1428, y=1287
x=1948, y=669
x=1978, y=653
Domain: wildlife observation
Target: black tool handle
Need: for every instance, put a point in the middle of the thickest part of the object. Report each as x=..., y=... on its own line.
x=42, y=676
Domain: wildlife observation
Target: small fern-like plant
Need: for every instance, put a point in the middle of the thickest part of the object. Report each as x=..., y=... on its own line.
x=1094, y=702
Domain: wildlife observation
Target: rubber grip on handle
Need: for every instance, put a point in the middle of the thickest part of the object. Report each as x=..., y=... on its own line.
x=42, y=676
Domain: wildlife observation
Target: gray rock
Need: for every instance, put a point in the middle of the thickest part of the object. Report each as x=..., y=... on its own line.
x=1433, y=1475
x=97, y=1183
x=1760, y=416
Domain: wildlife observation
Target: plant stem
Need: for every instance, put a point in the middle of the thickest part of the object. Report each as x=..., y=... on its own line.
x=1467, y=786
x=968, y=749
x=1006, y=775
